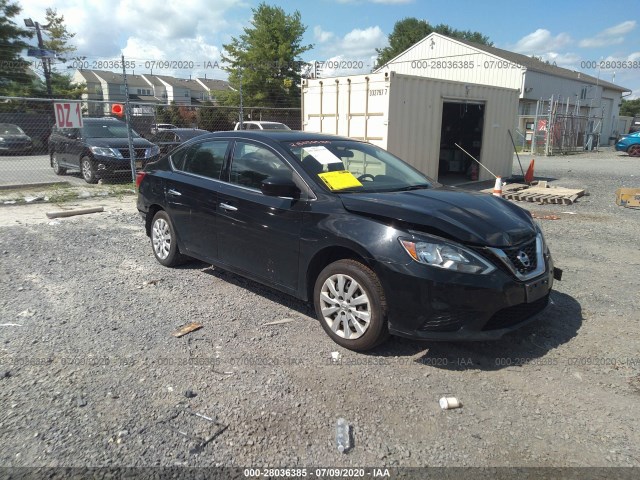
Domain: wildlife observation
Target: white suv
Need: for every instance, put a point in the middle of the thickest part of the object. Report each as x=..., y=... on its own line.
x=259, y=125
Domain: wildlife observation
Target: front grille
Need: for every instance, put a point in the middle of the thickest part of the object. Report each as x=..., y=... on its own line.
x=140, y=152
x=519, y=255
x=446, y=321
x=510, y=316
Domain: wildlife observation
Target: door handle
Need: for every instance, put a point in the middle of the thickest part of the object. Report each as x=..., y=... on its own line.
x=229, y=208
x=173, y=192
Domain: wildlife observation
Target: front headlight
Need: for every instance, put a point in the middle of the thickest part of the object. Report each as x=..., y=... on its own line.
x=106, y=152
x=441, y=254
x=153, y=151
x=545, y=247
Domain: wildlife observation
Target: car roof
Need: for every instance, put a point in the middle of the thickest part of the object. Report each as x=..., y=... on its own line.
x=101, y=119
x=277, y=135
x=178, y=130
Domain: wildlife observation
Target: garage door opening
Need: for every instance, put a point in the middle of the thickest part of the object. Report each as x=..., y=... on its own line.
x=462, y=123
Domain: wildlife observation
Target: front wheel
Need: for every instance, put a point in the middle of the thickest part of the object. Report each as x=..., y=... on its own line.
x=88, y=170
x=634, y=151
x=164, y=242
x=57, y=169
x=351, y=305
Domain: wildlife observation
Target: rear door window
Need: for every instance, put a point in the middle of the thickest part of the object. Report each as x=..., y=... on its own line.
x=205, y=159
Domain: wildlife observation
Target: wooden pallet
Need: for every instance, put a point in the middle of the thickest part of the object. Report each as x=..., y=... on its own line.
x=540, y=193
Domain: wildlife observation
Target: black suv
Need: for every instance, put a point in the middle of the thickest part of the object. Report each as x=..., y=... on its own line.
x=99, y=149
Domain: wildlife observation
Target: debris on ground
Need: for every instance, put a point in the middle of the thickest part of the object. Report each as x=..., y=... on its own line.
x=628, y=197
x=194, y=430
x=343, y=442
x=279, y=322
x=188, y=328
x=545, y=217
x=71, y=213
x=449, y=403
x=540, y=193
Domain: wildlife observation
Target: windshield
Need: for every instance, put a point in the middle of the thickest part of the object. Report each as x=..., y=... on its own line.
x=274, y=126
x=8, y=129
x=106, y=130
x=352, y=166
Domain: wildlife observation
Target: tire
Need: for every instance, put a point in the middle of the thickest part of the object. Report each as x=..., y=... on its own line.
x=57, y=169
x=336, y=288
x=634, y=151
x=164, y=242
x=88, y=170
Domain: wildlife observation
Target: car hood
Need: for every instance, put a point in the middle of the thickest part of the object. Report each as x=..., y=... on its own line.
x=475, y=218
x=118, y=142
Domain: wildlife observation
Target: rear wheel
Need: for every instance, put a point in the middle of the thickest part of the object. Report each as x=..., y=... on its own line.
x=57, y=169
x=164, y=242
x=88, y=170
x=351, y=305
x=634, y=151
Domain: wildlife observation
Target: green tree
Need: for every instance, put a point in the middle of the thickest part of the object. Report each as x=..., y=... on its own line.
x=13, y=40
x=212, y=118
x=265, y=59
x=409, y=31
x=630, y=108
x=56, y=38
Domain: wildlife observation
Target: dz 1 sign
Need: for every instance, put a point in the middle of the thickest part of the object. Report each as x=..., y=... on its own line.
x=68, y=114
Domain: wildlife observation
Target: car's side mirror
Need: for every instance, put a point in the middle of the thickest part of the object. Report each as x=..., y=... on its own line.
x=279, y=187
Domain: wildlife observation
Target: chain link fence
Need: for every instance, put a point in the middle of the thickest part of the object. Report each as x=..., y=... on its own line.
x=561, y=129
x=33, y=151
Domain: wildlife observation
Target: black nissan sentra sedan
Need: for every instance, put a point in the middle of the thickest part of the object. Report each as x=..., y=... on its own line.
x=375, y=245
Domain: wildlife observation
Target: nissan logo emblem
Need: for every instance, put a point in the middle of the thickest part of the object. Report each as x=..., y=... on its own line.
x=523, y=258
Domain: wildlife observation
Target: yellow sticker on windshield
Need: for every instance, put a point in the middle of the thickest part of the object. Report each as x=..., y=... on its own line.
x=339, y=180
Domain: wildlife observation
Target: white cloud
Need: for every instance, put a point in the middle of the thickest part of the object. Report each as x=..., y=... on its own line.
x=320, y=35
x=362, y=42
x=358, y=46
x=541, y=41
x=609, y=36
x=566, y=60
x=620, y=29
x=143, y=29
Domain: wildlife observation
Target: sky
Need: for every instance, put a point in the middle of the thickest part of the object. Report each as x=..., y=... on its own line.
x=581, y=35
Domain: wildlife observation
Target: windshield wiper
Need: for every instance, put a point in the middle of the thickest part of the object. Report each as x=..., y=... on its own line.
x=420, y=186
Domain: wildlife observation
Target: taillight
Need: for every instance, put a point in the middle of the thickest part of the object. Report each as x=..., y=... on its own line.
x=139, y=177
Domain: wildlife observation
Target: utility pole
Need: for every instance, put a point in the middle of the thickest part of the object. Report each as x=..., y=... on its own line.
x=46, y=61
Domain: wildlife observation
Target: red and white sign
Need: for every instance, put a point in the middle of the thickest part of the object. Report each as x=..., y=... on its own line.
x=68, y=114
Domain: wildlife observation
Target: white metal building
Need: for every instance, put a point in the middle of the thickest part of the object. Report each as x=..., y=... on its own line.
x=418, y=119
x=438, y=56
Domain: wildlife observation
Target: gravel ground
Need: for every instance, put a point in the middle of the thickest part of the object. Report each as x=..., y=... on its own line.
x=90, y=374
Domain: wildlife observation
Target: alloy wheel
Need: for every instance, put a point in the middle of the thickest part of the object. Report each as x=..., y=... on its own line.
x=161, y=238
x=345, y=306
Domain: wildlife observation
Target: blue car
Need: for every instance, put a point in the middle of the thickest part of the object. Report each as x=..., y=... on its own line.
x=630, y=144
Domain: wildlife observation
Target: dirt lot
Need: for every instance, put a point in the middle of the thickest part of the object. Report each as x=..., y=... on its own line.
x=90, y=374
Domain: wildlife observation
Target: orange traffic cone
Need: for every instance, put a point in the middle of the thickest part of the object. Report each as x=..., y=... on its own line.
x=528, y=178
x=497, y=189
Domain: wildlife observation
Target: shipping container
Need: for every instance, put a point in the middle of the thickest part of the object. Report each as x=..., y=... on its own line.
x=420, y=120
